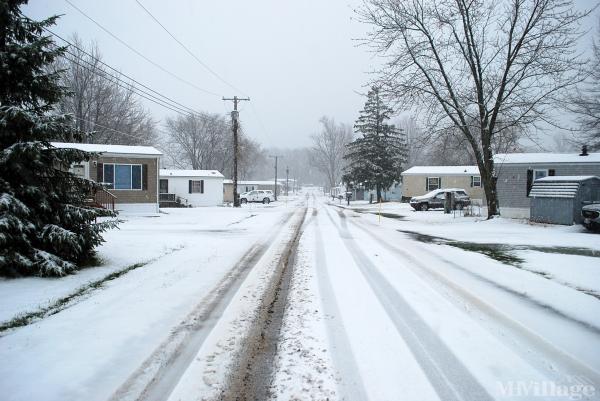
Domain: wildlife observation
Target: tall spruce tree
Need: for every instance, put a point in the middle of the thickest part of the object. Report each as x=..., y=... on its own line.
x=375, y=158
x=45, y=227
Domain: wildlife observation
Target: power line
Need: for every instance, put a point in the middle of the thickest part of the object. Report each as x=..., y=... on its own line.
x=139, y=53
x=128, y=86
x=108, y=128
x=115, y=70
x=188, y=50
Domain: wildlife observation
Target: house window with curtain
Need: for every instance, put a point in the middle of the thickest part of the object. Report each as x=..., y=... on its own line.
x=123, y=176
x=196, y=186
x=476, y=181
x=433, y=183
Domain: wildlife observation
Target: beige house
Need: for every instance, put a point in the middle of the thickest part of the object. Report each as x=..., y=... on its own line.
x=419, y=180
x=129, y=175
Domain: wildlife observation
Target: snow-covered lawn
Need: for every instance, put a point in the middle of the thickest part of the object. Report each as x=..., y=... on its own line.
x=90, y=348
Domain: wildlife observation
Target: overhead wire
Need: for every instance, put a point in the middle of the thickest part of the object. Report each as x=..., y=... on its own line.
x=119, y=73
x=203, y=64
x=128, y=86
x=139, y=53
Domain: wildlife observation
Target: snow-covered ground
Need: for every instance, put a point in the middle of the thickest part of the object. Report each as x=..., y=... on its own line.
x=413, y=306
x=395, y=318
x=86, y=351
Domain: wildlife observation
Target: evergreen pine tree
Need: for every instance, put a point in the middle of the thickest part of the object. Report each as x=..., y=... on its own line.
x=45, y=227
x=375, y=158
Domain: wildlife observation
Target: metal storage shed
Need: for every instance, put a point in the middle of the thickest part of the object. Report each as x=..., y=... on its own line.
x=559, y=199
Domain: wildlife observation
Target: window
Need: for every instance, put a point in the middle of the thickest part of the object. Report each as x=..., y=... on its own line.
x=123, y=176
x=433, y=183
x=196, y=186
x=476, y=181
x=540, y=174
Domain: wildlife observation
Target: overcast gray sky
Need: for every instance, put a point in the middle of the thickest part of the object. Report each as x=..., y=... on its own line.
x=295, y=59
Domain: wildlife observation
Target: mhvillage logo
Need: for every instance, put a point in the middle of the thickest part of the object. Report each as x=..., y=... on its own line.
x=576, y=388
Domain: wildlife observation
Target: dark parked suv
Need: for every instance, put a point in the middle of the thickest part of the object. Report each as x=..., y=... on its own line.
x=435, y=199
x=591, y=216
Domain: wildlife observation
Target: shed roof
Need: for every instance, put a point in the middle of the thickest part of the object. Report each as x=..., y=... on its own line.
x=564, y=178
x=545, y=158
x=112, y=149
x=442, y=170
x=554, y=189
x=190, y=173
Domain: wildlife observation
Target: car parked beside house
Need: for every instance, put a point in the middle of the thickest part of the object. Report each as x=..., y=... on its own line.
x=437, y=198
x=591, y=216
x=420, y=180
x=265, y=196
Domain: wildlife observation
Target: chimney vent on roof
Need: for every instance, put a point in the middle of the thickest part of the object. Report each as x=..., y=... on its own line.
x=584, y=151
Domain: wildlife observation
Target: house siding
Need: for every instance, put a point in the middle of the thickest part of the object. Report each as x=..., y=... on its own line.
x=150, y=195
x=213, y=190
x=512, y=183
x=415, y=185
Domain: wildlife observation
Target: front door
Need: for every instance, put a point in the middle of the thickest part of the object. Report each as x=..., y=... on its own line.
x=164, y=187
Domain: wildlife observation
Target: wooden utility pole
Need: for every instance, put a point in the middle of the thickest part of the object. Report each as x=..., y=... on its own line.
x=276, y=157
x=235, y=124
x=287, y=175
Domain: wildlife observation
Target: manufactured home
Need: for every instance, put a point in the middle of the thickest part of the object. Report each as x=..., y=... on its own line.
x=129, y=175
x=517, y=172
x=191, y=187
x=419, y=180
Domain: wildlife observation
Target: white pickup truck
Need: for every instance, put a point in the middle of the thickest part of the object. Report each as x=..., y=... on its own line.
x=258, y=195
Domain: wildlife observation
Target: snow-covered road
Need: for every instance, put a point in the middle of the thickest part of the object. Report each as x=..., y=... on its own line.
x=309, y=300
x=399, y=319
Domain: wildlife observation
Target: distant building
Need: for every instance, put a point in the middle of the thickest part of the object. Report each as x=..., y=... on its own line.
x=419, y=180
x=516, y=173
x=129, y=175
x=191, y=187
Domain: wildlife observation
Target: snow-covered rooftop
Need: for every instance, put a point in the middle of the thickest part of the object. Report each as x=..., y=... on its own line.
x=442, y=170
x=532, y=158
x=112, y=149
x=563, y=178
x=190, y=173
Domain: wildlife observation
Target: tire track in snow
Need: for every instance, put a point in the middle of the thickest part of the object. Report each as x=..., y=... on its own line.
x=451, y=380
x=251, y=380
x=353, y=387
x=156, y=378
x=528, y=339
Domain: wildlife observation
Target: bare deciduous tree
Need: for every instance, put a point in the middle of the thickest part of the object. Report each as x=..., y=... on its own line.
x=205, y=142
x=482, y=67
x=586, y=103
x=101, y=102
x=329, y=148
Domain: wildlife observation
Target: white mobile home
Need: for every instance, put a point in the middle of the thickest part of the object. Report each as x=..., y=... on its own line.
x=191, y=187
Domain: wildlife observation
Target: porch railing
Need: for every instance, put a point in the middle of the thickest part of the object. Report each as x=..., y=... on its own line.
x=104, y=199
x=167, y=197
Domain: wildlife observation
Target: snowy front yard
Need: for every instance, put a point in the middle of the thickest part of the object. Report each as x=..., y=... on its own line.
x=87, y=346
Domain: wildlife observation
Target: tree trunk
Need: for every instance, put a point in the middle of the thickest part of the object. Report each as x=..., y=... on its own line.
x=489, y=186
x=378, y=193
